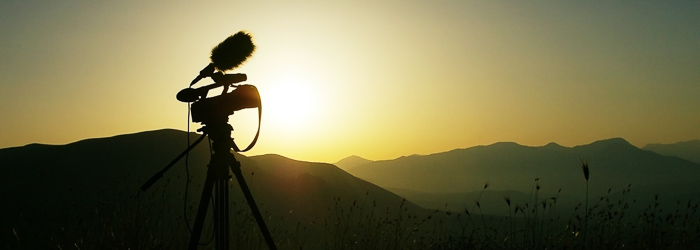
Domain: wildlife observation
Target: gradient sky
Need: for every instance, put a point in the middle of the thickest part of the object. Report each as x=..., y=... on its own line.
x=379, y=79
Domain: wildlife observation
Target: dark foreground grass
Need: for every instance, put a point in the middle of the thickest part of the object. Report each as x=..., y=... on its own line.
x=610, y=224
x=156, y=221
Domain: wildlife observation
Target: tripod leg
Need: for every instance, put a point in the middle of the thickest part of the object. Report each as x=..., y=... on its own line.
x=217, y=214
x=225, y=207
x=221, y=213
x=160, y=173
x=236, y=168
x=202, y=211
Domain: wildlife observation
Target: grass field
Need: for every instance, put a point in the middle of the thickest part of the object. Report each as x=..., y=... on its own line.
x=155, y=220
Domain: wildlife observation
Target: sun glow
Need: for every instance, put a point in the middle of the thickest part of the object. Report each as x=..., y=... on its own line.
x=290, y=104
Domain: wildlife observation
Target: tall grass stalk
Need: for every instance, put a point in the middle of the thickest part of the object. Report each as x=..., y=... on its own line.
x=586, y=174
x=510, y=223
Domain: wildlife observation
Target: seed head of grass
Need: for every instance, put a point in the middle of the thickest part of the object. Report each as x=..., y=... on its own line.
x=584, y=166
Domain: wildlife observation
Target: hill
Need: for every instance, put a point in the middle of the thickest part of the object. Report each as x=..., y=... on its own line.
x=351, y=162
x=54, y=193
x=689, y=150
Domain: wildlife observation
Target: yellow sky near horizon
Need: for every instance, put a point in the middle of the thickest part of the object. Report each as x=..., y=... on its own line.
x=378, y=79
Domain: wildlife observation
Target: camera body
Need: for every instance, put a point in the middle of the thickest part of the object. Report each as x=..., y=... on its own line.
x=213, y=108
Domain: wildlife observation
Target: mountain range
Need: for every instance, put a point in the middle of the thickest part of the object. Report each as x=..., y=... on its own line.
x=457, y=177
x=614, y=163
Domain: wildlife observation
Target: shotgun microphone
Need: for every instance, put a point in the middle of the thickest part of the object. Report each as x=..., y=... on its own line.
x=229, y=54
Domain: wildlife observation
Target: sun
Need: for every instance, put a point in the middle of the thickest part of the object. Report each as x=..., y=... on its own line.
x=290, y=104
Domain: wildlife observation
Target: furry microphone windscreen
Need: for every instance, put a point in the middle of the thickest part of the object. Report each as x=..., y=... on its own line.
x=233, y=51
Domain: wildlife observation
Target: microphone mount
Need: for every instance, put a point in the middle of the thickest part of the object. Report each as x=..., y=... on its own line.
x=206, y=72
x=220, y=79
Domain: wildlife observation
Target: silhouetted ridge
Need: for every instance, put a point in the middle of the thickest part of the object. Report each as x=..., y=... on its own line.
x=154, y=135
x=506, y=145
x=554, y=145
x=612, y=142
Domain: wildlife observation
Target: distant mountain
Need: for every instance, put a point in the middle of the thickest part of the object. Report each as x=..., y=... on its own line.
x=689, y=150
x=53, y=190
x=507, y=166
x=351, y=162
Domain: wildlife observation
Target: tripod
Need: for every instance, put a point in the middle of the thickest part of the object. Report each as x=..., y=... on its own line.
x=219, y=132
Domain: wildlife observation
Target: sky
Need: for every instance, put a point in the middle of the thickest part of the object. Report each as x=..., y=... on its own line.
x=378, y=79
